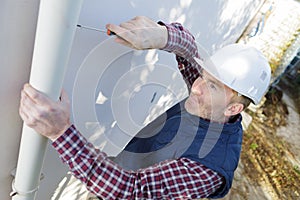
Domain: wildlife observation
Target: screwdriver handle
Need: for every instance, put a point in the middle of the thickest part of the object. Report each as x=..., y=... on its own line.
x=109, y=32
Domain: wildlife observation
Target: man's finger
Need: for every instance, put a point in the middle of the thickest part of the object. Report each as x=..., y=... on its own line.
x=35, y=95
x=115, y=28
x=123, y=33
x=23, y=115
x=28, y=105
x=27, y=109
x=123, y=42
x=64, y=96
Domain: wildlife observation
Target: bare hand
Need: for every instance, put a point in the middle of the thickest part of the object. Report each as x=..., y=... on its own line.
x=140, y=33
x=45, y=116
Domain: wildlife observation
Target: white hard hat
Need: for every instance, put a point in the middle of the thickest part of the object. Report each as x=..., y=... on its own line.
x=242, y=68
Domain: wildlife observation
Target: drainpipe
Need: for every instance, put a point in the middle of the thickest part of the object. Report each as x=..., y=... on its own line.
x=56, y=26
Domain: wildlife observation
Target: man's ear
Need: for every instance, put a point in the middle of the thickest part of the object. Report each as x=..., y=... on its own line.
x=233, y=109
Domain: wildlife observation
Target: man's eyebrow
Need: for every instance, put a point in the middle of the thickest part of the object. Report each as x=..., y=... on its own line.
x=213, y=80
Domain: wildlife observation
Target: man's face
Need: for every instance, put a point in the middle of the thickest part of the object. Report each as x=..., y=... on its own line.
x=209, y=98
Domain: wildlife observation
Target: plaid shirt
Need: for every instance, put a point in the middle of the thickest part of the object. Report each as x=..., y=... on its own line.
x=170, y=179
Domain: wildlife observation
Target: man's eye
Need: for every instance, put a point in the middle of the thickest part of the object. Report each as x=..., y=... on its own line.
x=212, y=86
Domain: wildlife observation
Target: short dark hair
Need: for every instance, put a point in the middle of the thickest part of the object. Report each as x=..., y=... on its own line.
x=241, y=99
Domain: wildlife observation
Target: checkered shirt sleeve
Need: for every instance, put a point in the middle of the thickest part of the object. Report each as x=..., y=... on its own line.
x=182, y=43
x=171, y=179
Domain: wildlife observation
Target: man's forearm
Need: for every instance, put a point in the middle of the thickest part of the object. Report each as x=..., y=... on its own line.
x=180, y=41
x=109, y=181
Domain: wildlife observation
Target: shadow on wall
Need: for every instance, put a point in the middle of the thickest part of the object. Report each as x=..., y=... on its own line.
x=214, y=23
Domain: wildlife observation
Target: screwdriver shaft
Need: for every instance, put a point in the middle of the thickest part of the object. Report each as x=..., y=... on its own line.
x=91, y=28
x=108, y=32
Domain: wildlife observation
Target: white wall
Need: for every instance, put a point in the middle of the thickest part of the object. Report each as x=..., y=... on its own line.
x=17, y=22
x=213, y=22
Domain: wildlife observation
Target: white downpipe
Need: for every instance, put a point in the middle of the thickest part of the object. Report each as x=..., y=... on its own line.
x=55, y=32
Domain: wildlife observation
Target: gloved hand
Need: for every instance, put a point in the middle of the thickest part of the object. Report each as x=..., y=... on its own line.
x=140, y=33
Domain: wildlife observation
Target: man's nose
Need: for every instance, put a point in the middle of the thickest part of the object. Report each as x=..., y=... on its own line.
x=198, y=86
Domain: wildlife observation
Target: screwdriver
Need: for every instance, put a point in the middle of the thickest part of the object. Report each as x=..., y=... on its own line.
x=108, y=32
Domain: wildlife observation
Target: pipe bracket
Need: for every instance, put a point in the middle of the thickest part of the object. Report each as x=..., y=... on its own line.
x=15, y=191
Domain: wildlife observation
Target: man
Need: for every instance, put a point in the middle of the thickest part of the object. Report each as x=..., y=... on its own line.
x=189, y=152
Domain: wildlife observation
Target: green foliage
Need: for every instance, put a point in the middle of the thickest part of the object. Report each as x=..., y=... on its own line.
x=297, y=169
x=253, y=146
